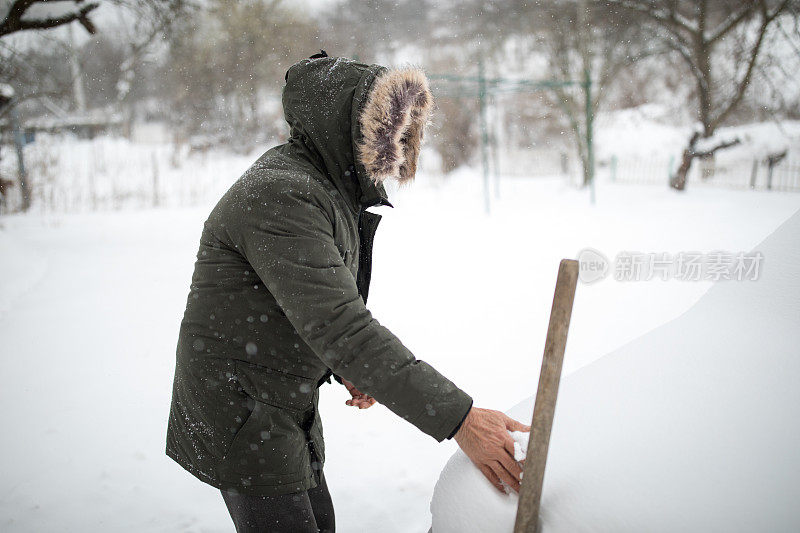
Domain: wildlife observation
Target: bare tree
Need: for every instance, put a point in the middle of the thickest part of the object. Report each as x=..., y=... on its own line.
x=577, y=39
x=588, y=43
x=15, y=20
x=696, y=31
x=152, y=20
x=32, y=73
x=368, y=30
x=40, y=70
x=238, y=52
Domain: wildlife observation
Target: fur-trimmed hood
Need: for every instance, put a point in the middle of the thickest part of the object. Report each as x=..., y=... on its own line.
x=351, y=118
x=393, y=124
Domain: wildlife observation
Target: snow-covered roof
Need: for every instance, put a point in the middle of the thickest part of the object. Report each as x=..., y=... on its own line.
x=89, y=118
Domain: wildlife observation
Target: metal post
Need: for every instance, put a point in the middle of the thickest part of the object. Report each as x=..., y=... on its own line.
x=497, y=127
x=769, y=176
x=583, y=24
x=587, y=83
x=77, y=75
x=19, y=143
x=530, y=493
x=484, y=133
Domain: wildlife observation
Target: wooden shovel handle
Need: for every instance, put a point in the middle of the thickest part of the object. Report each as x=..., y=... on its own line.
x=530, y=494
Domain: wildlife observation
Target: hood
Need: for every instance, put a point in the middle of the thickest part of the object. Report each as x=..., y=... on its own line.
x=358, y=124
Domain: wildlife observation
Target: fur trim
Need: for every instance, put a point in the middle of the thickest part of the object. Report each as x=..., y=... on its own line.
x=392, y=124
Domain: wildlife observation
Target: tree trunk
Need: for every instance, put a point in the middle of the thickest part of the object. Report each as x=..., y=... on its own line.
x=678, y=180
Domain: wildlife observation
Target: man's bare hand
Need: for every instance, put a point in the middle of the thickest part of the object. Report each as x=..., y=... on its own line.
x=359, y=399
x=484, y=438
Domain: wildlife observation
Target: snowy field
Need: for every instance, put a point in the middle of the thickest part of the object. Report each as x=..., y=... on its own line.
x=90, y=306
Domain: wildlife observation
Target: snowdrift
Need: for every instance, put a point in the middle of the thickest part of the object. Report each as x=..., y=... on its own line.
x=694, y=426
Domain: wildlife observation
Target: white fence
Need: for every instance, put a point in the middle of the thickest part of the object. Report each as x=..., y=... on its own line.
x=738, y=173
x=537, y=162
x=69, y=175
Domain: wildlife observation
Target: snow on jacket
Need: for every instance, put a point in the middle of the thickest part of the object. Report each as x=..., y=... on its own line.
x=278, y=294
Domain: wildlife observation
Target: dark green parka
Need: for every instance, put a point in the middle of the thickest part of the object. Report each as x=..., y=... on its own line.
x=277, y=300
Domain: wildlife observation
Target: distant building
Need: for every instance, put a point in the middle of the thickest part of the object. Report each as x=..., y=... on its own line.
x=85, y=125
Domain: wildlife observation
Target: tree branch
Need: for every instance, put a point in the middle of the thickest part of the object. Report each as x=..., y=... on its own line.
x=690, y=61
x=742, y=86
x=14, y=22
x=652, y=12
x=18, y=9
x=30, y=96
x=788, y=38
x=731, y=22
x=710, y=151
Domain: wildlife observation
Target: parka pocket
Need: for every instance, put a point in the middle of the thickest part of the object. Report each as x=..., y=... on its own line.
x=268, y=445
x=271, y=446
x=276, y=388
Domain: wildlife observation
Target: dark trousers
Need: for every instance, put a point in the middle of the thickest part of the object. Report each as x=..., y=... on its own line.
x=310, y=511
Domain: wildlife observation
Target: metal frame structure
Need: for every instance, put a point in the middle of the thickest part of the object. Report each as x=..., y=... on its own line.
x=481, y=87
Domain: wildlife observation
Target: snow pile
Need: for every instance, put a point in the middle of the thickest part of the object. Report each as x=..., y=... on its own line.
x=453, y=510
x=694, y=426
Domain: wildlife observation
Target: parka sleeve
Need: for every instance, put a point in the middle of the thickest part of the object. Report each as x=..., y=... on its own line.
x=289, y=241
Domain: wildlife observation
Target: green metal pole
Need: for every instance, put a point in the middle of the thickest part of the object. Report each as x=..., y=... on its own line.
x=484, y=133
x=496, y=127
x=19, y=143
x=587, y=81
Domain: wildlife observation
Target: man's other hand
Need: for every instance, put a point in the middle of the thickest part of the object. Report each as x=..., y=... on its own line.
x=484, y=438
x=359, y=399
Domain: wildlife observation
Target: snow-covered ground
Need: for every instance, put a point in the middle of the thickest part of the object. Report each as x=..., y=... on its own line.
x=694, y=426
x=90, y=306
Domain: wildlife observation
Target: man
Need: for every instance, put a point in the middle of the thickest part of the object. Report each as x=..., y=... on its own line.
x=277, y=306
